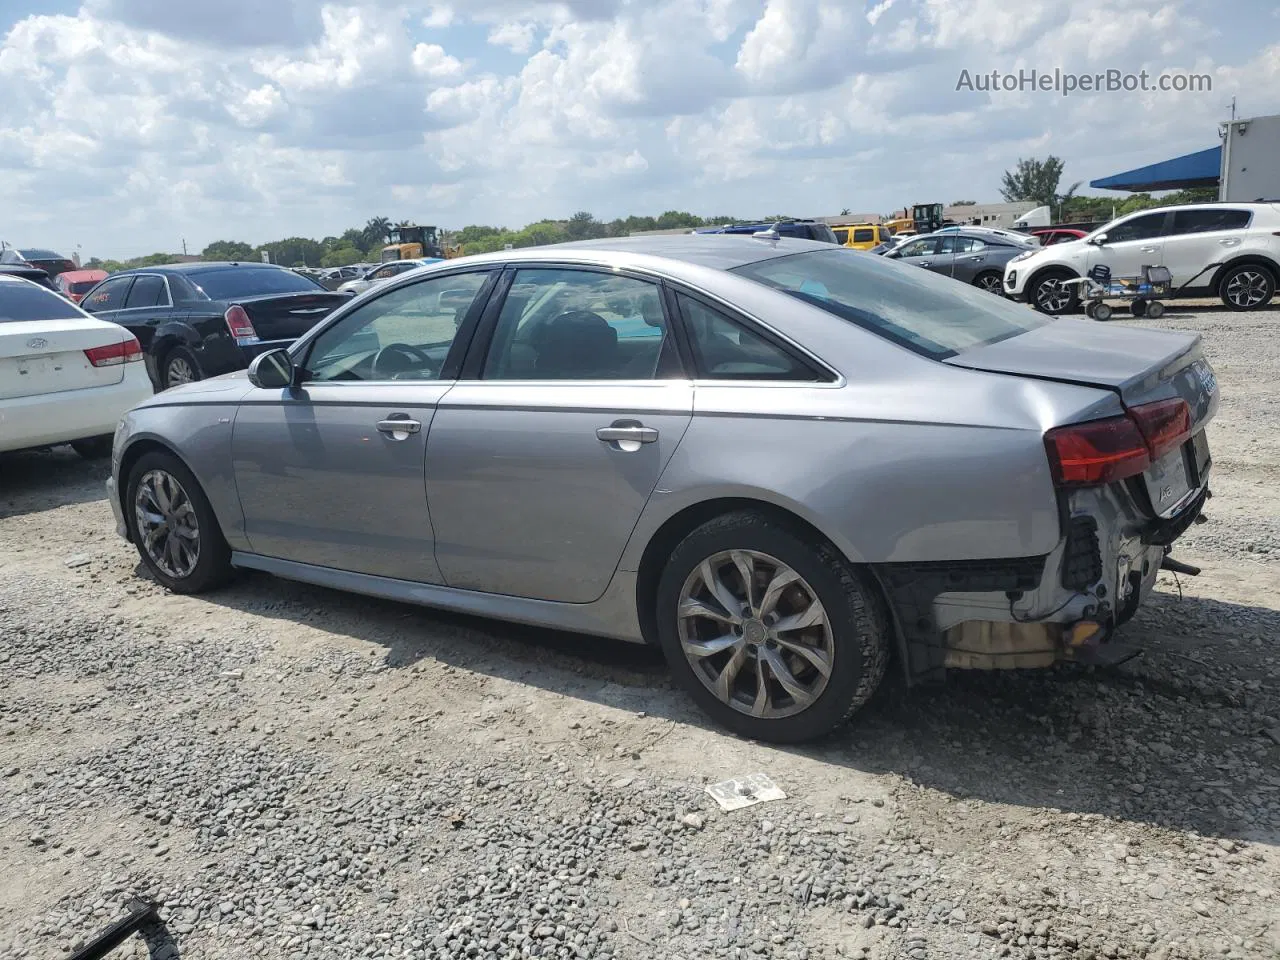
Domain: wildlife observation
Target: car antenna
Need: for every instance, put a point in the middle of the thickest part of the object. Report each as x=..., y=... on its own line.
x=770, y=233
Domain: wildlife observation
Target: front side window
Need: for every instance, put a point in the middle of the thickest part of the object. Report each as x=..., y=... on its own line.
x=925, y=312
x=581, y=325
x=1209, y=218
x=403, y=335
x=147, y=291
x=920, y=248
x=109, y=295
x=729, y=350
x=1139, y=228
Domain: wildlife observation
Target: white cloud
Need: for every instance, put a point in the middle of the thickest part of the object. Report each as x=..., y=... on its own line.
x=307, y=116
x=514, y=35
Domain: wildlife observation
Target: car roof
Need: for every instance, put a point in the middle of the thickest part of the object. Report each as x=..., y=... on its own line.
x=201, y=266
x=22, y=270
x=719, y=251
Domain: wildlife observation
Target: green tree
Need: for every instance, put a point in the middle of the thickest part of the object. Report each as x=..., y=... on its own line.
x=375, y=233
x=295, y=251
x=227, y=250
x=672, y=219
x=965, y=203
x=583, y=226
x=342, y=256
x=1036, y=180
x=474, y=232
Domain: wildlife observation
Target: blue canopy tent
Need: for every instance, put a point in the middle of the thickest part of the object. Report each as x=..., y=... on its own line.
x=1200, y=169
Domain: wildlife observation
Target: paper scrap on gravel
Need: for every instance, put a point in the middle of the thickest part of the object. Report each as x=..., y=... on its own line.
x=745, y=791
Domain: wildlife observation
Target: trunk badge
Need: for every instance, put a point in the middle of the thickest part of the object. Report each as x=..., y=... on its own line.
x=37, y=343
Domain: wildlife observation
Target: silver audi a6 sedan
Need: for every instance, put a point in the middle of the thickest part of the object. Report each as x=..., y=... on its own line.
x=785, y=463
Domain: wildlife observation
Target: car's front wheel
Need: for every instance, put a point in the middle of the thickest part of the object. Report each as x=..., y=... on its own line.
x=1247, y=287
x=1051, y=294
x=774, y=635
x=173, y=525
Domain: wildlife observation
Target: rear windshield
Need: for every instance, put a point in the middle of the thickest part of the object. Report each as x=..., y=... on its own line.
x=922, y=311
x=83, y=286
x=25, y=301
x=230, y=283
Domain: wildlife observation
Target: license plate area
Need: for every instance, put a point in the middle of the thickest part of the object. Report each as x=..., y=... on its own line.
x=1171, y=479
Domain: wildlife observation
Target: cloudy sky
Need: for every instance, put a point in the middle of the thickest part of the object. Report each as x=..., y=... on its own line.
x=128, y=125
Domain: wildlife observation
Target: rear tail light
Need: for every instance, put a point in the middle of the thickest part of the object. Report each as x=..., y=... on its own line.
x=1105, y=451
x=113, y=354
x=241, y=326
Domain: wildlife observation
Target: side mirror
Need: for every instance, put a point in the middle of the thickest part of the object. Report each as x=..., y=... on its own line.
x=273, y=370
x=1098, y=239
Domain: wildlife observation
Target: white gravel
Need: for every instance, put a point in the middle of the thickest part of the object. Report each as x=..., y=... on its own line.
x=300, y=773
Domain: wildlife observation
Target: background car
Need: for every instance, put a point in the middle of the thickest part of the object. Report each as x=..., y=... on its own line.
x=64, y=376
x=969, y=254
x=197, y=320
x=1227, y=250
x=74, y=284
x=383, y=272
x=49, y=261
x=861, y=236
x=334, y=278
x=1049, y=236
x=800, y=229
x=880, y=463
x=27, y=272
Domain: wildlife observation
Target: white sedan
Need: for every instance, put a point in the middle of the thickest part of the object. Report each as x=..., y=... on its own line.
x=64, y=376
x=384, y=272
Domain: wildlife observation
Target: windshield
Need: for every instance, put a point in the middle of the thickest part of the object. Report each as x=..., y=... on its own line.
x=924, y=312
x=230, y=283
x=82, y=286
x=25, y=301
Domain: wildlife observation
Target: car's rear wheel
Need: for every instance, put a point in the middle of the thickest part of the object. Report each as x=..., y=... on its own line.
x=775, y=636
x=173, y=525
x=990, y=282
x=1050, y=293
x=93, y=448
x=179, y=367
x=1247, y=287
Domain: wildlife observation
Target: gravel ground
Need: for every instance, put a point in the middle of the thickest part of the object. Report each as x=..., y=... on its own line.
x=301, y=773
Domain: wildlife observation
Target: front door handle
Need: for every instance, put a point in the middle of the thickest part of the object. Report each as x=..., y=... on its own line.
x=925, y=263
x=391, y=427
x=1230, y=241
x=627, y=436
x=1148, y=249
x=978, y=259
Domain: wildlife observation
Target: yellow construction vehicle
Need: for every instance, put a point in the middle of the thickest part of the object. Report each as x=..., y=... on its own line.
x=408, y=241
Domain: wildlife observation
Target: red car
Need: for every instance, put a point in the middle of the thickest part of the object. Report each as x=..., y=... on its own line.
x=1053, y=235
x=74, y=284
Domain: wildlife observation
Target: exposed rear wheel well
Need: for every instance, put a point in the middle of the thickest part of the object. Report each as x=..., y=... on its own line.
x=1250, y=260
x=680, y=526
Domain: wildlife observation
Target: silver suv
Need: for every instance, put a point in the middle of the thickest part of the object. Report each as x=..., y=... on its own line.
x=1229, y=250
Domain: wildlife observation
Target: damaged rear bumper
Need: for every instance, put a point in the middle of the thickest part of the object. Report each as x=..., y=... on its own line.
x=1036, y=611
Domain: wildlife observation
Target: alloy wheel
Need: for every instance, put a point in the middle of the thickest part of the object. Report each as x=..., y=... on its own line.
x=167, y=524
x=991, y=283
x=755, y=634
x=1052, y=296
x=1248, y=288
x=179, y=371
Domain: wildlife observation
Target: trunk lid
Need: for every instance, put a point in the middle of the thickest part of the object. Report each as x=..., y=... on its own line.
x=287, y=316
x=48, y=356
x=1138, y=364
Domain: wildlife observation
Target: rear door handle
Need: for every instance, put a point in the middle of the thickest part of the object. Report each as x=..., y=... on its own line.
x=392, y=426
x=978, y=259
x=925, y=263
x=1229, y=241
x=628, y=433
x=1148, y=249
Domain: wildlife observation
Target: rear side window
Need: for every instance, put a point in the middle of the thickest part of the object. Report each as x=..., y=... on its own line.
x=228, y=283
x=21, y=301
x=927, y=313
x=109, y=295
x=842, y=235
x=727, y=350
x=1210, y=218
x=147, y=291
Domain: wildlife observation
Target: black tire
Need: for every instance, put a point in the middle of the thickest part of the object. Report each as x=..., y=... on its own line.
x=1247, y=287
x=173, y=369
x=213, y=563
x=1039, y=296
x=1138, y=308
x=853, y=607
x=991, y=282
x=93, y=448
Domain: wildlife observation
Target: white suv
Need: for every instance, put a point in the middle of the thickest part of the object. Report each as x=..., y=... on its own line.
x=1229, y=250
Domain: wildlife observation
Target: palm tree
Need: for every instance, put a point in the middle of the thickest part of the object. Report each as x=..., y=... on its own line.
x=375, y=232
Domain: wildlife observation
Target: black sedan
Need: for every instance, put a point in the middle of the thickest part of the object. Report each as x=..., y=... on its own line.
x=198, y=320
